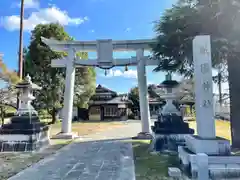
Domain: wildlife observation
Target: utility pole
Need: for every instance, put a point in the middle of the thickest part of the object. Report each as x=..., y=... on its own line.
x=20, y=51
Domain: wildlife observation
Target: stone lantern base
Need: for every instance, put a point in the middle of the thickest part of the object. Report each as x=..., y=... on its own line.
x=24, y=134
x=169, y=132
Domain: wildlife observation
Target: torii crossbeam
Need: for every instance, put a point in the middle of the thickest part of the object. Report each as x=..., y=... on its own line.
x=105, y=60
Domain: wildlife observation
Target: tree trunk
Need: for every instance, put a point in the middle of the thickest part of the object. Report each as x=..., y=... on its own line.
x=234, y=89
x=220, y=88
x=54, y=115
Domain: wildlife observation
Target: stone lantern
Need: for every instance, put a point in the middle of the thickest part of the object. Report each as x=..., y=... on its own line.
x=25, y=132
x=169, y=96
x=26, y=97
x=169, y=130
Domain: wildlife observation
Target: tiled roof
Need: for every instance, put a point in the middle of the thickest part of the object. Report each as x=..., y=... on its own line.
x=100, y=88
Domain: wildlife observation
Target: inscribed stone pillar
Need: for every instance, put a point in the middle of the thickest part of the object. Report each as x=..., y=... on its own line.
x=203, y=86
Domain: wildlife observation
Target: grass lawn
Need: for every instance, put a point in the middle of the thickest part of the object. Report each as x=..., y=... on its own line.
x=12, y=163
x=151, y=166
x=222, y=128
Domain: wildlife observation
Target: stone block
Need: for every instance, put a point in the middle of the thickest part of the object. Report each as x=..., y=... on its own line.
x=183, y=156
x=217, y=166
x=224, y=159
x=220, y=167
x=233, y=166
x=171, y=124
x=224, y=173
x=22, y=143
x=202, y=167
x=143, y=135
x=167, y=141
x=216, y=146
x=65, y=136
x=174, y=172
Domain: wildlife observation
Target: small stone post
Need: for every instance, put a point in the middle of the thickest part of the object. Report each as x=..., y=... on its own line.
x=202, y=166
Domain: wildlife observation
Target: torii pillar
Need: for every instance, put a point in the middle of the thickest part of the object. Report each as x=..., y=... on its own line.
x=143, y=92
x=69, y=94
x=66, y=130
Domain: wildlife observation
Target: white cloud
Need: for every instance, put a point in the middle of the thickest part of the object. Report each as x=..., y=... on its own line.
x=118, y=73
x=30, y=4
x=42, y=16
x=92, y=31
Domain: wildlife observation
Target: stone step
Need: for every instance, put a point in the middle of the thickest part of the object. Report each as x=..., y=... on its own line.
x=224, y=159
x=227, y=172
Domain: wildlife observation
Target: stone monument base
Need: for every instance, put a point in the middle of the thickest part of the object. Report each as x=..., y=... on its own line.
x=221, y=164
x=214, y=146
x=65, y=136
x=169, y=131
x=143, y=135
x=24, y=142
x=219, y=167
x=24, y=134
x=169, y=142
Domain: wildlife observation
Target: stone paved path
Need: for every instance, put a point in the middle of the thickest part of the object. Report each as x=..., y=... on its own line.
x=93, y=159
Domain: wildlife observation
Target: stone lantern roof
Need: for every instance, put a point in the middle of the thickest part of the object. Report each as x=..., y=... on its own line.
x=27, y=83
x=168, y=82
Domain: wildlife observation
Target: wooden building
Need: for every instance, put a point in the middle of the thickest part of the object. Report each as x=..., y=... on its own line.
x=155, y=106
x=108, y=105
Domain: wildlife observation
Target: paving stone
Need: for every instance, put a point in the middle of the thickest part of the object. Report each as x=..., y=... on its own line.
x=87, y=177
x=79, y=166
x=73, y=175
x=104, y=175
x=93, y=160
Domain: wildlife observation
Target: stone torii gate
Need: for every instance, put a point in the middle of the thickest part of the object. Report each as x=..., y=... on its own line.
x=105, y=60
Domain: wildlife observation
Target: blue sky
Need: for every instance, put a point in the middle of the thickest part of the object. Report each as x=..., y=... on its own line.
x=86, y=20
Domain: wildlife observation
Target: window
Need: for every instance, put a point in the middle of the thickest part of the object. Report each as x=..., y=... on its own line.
x=110, y=111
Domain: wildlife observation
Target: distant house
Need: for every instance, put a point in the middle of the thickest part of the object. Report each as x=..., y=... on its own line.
x=155, y=106
x=106, y=104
